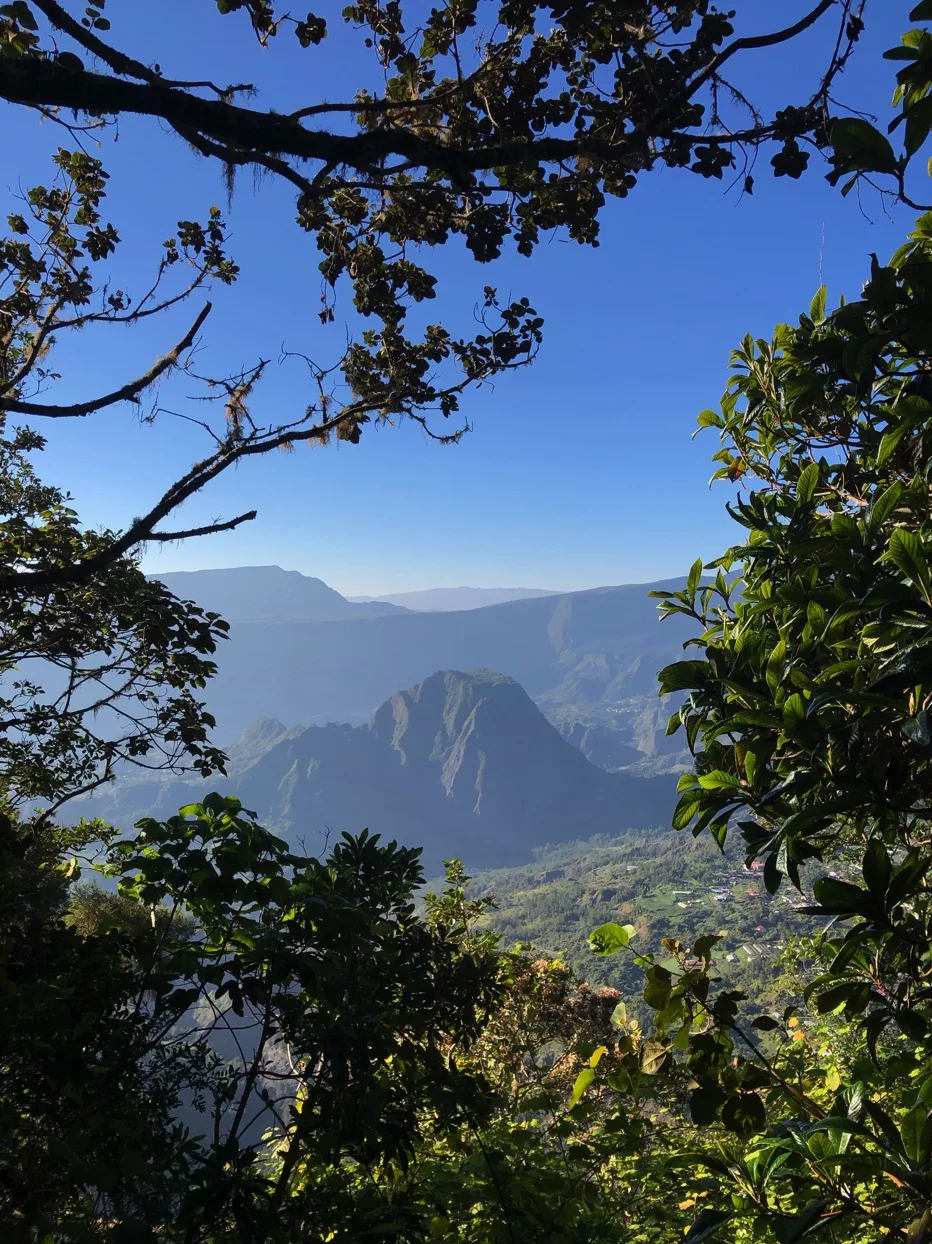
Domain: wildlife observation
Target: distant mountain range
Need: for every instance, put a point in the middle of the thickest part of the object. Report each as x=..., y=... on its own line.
x=462, y=764
x=270, y=594
x=585, y=649
x=446, y=599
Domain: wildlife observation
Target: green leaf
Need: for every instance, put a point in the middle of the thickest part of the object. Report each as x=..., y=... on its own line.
x=744, y=1113
x=859, y=146
x=918, y=123
x=658, y=986
x=907, y=877
x=889, y=442
x=765, y=1023
x=702, y=946
x=817, y=306
x=806, y=484
x=619, y=1017
x=718, y=779
x=886, y=503
x=876, y=868
x=686, y=809
x=609, y=938
x=705, y=1225
x=906, y=551
x=840, y=898
x=704, y=1103
x=583, y=1080
x=775, y=662
x=693, y=579
x=914, y=1134
x=751, y=767
x=836, y=997
x=683, y=676
x=652, y=1056
x=68, y=60
x=794, y=712
x=919, y=729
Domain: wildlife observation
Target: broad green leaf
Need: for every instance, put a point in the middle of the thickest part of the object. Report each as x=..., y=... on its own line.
x=907, y=553
x=619, y=1016
x=609, y=938
x=583, y=1080
x=807, y=482
x=840, y=898
x=914, y=1134
x=683, y=676
x=702, y=946
x=861, y=146
x=817, y=306
x=686, y=809
x=877, y=868
x=918, y=124
x=766, y=1023
x=885, y=504
x=794, y=712
x=835, y=998
x=652, y=1056
x=704, y=1103
x=693, y=579
x=718, y=779
x=889, y=443
x=775, y=662
x=751, y=764
x=657, y=988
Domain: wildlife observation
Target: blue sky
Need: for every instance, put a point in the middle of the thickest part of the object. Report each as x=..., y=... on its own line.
x=581, y=470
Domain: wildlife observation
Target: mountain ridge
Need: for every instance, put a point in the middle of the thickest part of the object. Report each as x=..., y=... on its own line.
x=606, y=643
x=460, y=763
x=269, y=594
x=455, y=599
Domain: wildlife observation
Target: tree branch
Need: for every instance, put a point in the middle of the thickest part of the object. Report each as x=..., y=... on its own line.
x=118, y=61
x=127, y=393
x=753, y=42
x=210, y=530
x=231, y=125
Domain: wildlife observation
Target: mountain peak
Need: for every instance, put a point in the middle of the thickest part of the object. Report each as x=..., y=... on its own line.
x=460, y=763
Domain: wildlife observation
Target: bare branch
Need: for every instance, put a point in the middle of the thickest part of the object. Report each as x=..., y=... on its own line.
x=126, y=393
x=210, y=530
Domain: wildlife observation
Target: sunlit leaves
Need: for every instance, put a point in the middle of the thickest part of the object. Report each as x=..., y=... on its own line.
x=809, y=718
x=609, y=938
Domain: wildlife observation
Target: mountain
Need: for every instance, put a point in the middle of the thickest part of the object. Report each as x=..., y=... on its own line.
x=584, y=649
x=445, y=599
x=462, y=764
x=268, y=593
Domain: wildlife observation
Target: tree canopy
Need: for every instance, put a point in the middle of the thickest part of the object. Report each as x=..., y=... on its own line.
x=494, y=125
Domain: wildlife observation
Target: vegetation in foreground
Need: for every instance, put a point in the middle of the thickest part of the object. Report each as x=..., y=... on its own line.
x=402, y=1077
x=242, y=1043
